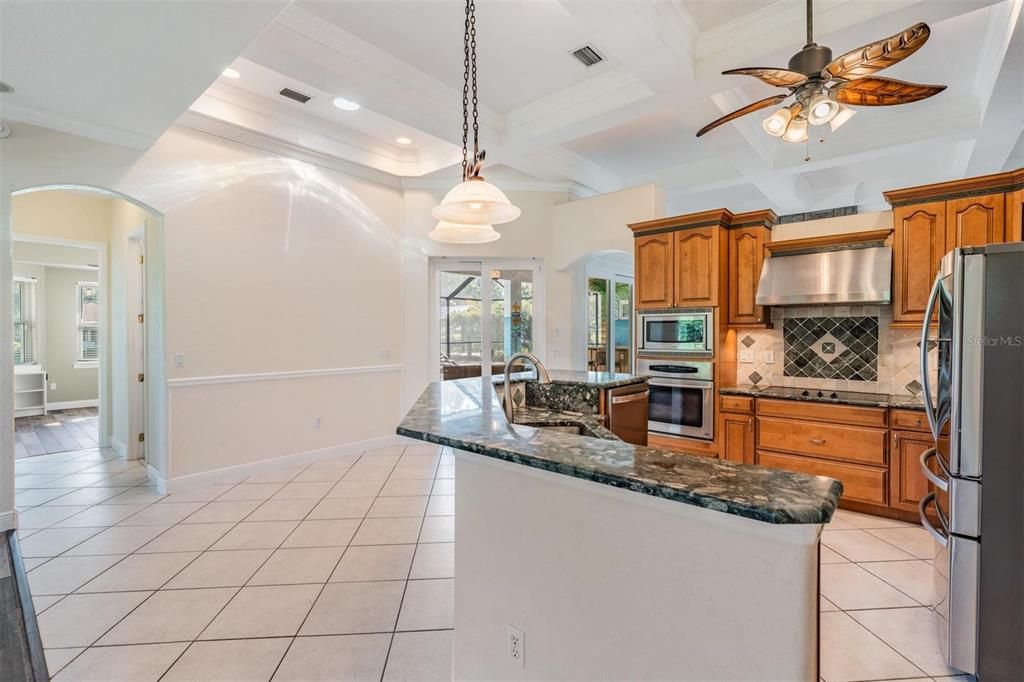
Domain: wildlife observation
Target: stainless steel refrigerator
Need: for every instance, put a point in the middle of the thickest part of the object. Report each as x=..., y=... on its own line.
x=975, y=408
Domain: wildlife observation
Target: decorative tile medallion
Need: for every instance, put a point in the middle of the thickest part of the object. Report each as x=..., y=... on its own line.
x=831, y=348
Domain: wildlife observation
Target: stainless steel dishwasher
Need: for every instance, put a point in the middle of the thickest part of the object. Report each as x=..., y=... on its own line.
x=627, y=412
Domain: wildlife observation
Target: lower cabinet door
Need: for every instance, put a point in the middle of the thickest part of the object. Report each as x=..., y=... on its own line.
x=738, y=438
x=860, y=483
x=907, y=485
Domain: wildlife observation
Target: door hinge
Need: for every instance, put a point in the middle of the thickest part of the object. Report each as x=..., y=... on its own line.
x=142, y=259
x=142, y=438
x=140, y=317
x=142, y=377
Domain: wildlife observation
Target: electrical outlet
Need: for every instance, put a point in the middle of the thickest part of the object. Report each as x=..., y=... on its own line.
x=179, y=360
x=384, y=353
x=316, y=422
x=768, y=357
x=516, y=645
x=746, y=356
x=53, y=385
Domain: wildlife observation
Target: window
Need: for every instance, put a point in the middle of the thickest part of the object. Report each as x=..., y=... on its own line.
x=24, y=321
x=88, y=322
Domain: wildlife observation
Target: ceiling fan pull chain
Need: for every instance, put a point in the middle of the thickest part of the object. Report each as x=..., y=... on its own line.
x=465, y=94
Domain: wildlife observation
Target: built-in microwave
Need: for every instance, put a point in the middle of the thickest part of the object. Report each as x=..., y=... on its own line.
x=688, y=331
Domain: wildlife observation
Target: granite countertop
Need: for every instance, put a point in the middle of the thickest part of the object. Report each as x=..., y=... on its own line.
x=465, y=414
x=592, y=425
x=906, y=402
x=578, y=377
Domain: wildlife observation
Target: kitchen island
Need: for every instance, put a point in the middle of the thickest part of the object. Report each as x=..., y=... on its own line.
x=621, y=561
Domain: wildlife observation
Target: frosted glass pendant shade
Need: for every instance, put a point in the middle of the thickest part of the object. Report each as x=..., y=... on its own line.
x=845, y=114
x=475, y=202
x=797, y=131
x=457, y=233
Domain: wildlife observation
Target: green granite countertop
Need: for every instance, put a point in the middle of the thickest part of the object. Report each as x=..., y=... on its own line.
x=466, y=415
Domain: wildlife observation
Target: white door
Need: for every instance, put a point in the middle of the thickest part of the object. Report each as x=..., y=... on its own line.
x=135, y=269
x=609, y=322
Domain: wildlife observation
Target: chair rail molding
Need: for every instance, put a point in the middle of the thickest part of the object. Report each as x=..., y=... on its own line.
x=277, y=376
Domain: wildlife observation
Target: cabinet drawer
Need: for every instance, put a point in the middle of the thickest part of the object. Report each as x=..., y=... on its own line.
x=737, y=403
x=832, y=441
x=860, y=483
x=912, y=420
x=834, y=414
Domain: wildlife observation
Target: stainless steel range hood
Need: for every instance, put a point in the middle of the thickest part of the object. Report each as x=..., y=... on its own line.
x=848, y=275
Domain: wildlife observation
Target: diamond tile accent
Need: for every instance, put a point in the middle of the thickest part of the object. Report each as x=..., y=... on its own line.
x=831, y=348
x=755, y=377
x=914, y=387
x=748, y=341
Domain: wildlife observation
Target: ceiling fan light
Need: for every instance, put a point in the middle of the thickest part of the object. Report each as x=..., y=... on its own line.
x=821, y=109
x=456, y=233
x=797, y=131
x=476, y=202
x=775, y=124
x=844, y=114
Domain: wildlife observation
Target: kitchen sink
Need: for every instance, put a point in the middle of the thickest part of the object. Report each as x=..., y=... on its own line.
x=565, y=428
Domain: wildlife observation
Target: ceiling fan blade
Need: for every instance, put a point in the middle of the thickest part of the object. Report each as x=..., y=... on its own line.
x=879, y=55
x=875, y=91
x=760, y=104
x=782, y=78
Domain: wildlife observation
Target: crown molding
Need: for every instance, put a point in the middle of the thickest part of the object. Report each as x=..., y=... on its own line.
x=122, y=138
x=570, y=187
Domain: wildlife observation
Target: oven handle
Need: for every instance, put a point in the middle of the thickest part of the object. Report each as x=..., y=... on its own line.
x=682, y=383
x=926, y=391
x=938, y=482
x=942, y=539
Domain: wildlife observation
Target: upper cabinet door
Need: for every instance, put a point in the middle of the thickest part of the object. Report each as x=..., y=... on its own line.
x=975, y=221
x=654, y=271
x=746, y=256
x=918, y=246
x=1015, y=216
x=697, y=267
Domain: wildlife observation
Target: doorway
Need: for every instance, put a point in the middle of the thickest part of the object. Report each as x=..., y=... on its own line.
x=486, y=311
x=609, y=305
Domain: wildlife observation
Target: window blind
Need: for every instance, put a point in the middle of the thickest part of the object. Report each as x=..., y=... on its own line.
x=24, y=322
x=88, y=322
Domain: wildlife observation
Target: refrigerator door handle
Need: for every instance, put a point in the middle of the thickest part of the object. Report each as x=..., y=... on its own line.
x=941, y=538
x=939, y=482
x=926, y=388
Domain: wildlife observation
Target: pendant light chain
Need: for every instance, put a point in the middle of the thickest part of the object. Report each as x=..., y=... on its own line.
x=465, y=94
x=470, y=168
x=472, y=60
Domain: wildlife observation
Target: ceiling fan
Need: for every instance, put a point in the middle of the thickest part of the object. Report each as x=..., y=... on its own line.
x=823, y=86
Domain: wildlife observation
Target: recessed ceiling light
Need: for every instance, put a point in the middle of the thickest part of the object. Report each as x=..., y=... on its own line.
x=403, y=140
x=345, y=104
x=231, y=73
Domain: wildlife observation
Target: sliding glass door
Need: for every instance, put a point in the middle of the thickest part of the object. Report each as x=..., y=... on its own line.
x=609, y=322
x=487, y=311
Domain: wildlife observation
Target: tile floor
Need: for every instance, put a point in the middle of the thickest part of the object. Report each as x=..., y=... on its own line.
x=344, y=569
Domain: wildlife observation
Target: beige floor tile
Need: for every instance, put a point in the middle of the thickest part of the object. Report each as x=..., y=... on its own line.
x=353, y=488
x=78, y=619
x=850, y=653
x=140, y=572
x=837, y=523
x=231, y=568
x=441, y=505
x=914, y=578
x=299, y=565
x=442, y=529
x=347, y=608
x=410, y=487
x=66, y=574
x=239, y=660
x=56, y=659
x=444, y=471
x=207, y=493
x=912, y=632
x=143, y=495
x=828, y=556
x=420, y=657
x=251, y=492
x=102, y=515
x=54, y=541
x=141, y=663
x=423, y=449
x=190, y=537
x=303, y=491
x=322, y=533
x=320, y=475
x=328, y=659
x=341, y=508
x=859, y=520
x=826, y=605
x=88, y=496
x=374, y=562
x=915, y=541
x=443, y=486
x=118, y=540
x=398, y=506
x=416, y=471
x=281, y=476
x=41, y=602
x=220, y=511
x=849, y=586
x=256, y=535
x=36, y=496
x=387, y=451
x=368, y=472
x=46, y=516
x=264, y=611
x=169, y=616
x=435, y=560
x=428, y=605
x=282, y=510
x=162, y=513
x=859, y=545
x=397, y=531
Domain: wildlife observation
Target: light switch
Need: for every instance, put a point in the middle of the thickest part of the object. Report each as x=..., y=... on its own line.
x=179, y=360
x=746, y=356
x=768, y=357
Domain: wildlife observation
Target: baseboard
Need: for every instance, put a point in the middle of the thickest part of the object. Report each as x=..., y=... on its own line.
x=8, y=520
x=120, y=448
x=234, y=474
x=72, y=404
x=159, y=481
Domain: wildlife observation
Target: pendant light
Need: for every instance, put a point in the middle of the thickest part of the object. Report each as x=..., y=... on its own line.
x=469, y=211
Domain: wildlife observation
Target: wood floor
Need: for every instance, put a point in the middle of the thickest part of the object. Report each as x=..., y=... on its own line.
x=58, y=431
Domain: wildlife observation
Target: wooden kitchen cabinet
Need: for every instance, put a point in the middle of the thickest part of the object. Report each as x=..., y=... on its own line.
x=907, y=485
x=975, y=221
x=1015, y=216
x=746, y=257
x=918, y=247
x=654, y=269
x=696, y=267
x=736, y=428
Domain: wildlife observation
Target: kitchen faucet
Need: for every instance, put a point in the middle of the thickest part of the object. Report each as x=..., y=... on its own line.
x=506, y=395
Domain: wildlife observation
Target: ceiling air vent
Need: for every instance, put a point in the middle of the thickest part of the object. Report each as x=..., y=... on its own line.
x=297, y=96
x=587, y=55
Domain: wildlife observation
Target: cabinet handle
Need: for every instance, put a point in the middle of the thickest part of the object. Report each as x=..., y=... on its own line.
x=818, y=441
x=750, y=423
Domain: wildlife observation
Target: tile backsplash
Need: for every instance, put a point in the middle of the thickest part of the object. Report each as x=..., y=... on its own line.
x=839, y=348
